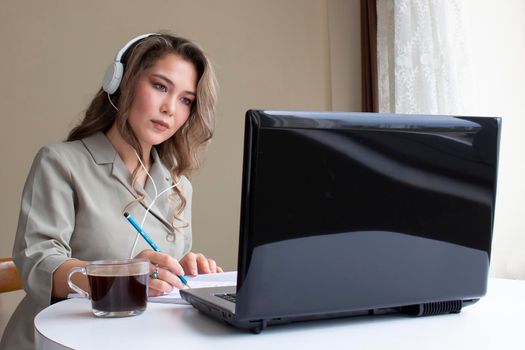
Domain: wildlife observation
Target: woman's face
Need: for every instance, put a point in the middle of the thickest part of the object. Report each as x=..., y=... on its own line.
x=164, y=95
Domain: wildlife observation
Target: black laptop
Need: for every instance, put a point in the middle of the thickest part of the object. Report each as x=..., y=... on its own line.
x=357, y=213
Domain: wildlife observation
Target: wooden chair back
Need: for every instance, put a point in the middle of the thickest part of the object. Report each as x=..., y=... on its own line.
x=9, y=277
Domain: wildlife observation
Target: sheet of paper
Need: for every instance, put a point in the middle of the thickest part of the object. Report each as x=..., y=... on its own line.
x=200, y=281
x=229, y=277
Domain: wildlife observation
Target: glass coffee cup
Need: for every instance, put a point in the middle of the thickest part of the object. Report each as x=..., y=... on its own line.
x=118, y=288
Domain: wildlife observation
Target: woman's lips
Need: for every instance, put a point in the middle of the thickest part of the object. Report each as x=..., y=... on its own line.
x=160, y=125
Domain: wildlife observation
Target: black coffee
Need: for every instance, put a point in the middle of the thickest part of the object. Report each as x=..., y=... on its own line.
x=118, y=293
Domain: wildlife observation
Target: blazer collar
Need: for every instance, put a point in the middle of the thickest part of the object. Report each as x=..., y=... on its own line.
x=100, y=148
x=103, y=152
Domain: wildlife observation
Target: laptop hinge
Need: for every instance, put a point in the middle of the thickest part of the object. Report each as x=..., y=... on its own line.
x=435, y=308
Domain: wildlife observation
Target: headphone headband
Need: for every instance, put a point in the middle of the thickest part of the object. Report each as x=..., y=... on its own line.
x=115, y=71
x=122, y=51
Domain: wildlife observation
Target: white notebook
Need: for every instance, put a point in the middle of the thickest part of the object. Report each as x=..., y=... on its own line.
x=200, y=281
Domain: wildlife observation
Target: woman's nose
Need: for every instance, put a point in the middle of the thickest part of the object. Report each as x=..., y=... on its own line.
x=169, y=106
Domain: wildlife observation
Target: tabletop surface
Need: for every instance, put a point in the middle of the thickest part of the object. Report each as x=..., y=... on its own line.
x=496, y=321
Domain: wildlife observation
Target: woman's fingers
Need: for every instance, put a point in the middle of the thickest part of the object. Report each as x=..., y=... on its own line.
x=167, y=271
x=168, y=262
x=165, y=281
x=197, y=263
x=163, y=260
x=213, y=265
x=203, y=264
x=190, y=264
x=158, y=286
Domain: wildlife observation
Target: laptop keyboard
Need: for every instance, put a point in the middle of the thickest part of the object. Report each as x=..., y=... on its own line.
x=227, y=296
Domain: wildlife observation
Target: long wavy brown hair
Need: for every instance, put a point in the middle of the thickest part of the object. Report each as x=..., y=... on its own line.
x=181, y=152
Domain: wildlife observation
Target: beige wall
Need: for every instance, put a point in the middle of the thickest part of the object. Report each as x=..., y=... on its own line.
x=293, y=54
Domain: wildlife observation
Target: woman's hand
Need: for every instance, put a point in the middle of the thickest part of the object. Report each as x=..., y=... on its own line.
x=196, y=263
x=168, y=268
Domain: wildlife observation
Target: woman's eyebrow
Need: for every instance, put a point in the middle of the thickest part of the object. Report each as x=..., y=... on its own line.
x=168, y=81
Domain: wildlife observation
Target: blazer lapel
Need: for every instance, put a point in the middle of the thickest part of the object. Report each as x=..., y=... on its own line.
x=162, y=179
x=103, y=152
x=121, y=173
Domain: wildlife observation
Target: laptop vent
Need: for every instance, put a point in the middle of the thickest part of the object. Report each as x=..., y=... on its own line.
x=437, y=308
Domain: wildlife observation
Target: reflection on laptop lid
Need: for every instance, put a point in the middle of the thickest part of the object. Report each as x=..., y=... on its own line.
x=357, y=213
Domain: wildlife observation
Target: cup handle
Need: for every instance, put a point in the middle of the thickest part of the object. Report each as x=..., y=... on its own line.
x=73, y=286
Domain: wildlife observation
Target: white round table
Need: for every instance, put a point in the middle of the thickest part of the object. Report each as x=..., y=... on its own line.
x=496, y=321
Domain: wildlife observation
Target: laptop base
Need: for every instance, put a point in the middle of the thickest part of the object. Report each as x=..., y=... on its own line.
x=257, y=326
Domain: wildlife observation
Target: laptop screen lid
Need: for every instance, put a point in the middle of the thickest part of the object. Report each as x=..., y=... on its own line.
x=356, y=211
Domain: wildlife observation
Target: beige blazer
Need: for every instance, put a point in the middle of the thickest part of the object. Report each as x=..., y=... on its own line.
x=72, y=207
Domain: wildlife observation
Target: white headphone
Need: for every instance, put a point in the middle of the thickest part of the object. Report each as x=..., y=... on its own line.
x=115, y=71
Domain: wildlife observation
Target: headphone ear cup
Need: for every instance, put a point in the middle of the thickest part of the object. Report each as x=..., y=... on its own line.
x=112, y=77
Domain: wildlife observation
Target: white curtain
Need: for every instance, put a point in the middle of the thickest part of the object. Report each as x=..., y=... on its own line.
x=422, y=57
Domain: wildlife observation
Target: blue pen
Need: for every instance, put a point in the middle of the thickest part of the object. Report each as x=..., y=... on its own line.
x=148, y=240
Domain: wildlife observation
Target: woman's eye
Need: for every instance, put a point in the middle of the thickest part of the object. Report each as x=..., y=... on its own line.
x=186, y=101
x=160, y=87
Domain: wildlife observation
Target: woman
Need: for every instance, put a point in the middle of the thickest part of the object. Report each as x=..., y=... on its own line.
x=132, y=152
